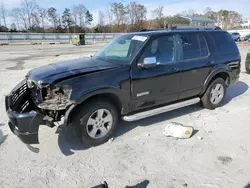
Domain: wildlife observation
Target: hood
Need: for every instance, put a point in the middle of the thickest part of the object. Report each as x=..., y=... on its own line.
x=62, y=70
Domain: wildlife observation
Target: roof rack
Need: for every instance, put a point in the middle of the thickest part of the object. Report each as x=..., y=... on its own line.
x=152, y=29
x=195, y=28
x=182, y=28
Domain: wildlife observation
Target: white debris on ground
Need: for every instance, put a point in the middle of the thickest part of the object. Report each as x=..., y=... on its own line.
x=178, y=130
x=221, y=159
x=1, y=136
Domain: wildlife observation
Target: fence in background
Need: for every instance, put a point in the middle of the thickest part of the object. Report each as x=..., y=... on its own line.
x=27, y=38
x=6, y=38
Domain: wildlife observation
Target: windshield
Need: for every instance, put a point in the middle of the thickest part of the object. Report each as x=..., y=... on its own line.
x=122, y=49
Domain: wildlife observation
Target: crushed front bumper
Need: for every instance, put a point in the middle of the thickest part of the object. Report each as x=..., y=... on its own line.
x=23, y=120
x=25, y=125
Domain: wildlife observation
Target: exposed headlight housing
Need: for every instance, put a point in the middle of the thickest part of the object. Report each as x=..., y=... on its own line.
x=56, y=97
x=31, y=83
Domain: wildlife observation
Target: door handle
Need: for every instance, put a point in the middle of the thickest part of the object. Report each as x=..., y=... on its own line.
x=176, y=69
x=210, y=62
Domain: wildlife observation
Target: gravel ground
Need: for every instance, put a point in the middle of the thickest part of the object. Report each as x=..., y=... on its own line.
x=140, y=153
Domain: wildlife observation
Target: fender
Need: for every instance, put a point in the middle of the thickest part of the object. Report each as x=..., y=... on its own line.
x=220, y=68
x=123, y=98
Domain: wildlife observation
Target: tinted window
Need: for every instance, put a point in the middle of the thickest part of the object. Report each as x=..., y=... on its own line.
x=224, y=42
x=162, y=48
x=190, y=46
x=203, y=46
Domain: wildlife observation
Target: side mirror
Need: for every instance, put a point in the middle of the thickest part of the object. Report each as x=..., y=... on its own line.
x=148, y=62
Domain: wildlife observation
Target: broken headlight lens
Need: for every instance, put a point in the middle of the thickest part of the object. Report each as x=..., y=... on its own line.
x=56, y=97
x=32, y=83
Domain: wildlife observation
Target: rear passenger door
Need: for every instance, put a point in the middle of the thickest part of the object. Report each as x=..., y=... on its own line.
x=196, y=62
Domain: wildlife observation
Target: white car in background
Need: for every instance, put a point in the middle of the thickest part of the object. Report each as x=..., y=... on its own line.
x=235, y=36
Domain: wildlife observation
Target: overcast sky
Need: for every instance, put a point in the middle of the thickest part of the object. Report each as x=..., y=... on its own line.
x=170, y=6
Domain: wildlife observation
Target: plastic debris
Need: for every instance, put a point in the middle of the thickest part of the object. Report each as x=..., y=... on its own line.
x=111, y=140
x=199, y=137
x=2, y=137
x=178, y=130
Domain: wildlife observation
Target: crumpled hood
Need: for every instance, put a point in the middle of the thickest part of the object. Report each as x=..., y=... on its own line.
x=57, y=71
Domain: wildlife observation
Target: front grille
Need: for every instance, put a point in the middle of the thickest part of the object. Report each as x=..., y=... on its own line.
x=17, y=94
x=20, y=100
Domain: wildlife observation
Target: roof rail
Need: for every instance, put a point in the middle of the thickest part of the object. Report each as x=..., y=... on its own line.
x=152, y=29
x=183, y=28
x=195, y=28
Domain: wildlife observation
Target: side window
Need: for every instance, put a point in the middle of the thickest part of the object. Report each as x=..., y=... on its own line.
x=162, y=48
x=190, y=46
x=203, y=46
x=224, y=43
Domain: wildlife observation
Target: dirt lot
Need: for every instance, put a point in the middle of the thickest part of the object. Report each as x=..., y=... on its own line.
x=139, y=151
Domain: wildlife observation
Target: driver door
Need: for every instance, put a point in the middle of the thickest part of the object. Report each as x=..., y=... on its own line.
x=158, y=84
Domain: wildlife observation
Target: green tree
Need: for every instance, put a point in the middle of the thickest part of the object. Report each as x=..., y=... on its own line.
x=67, y=19
x=88, y=17
x=52, y=16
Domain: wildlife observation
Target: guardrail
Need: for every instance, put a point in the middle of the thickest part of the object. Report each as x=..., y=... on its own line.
x=7, y=38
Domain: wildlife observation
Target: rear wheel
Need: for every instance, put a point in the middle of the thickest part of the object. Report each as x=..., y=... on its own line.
x=214, y=95
x=96, y=122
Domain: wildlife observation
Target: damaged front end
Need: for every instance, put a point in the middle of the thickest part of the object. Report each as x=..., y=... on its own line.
x=32, y=104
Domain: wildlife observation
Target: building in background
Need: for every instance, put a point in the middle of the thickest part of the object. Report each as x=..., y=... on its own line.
x=199, y=21
x=245, y=24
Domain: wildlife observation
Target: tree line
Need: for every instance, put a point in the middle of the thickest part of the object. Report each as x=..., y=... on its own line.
x=29, y=16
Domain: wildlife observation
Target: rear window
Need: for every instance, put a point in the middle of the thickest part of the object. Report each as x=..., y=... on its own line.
x=192, y=46
x=224, y=43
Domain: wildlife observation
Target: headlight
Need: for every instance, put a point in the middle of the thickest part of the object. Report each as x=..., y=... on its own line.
x=56, y=97
x=32, y=83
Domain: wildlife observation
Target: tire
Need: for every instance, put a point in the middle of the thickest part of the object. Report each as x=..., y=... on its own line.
x=211, y=102
x=87, y=115
x=247, y=64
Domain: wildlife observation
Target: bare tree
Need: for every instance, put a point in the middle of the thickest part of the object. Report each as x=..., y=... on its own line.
x=29, y=8
x=141, y=14
x=189, y=12
x=19, y=17
x=158, y=12
x=75, y=11
x=81, y=15
x=120, y=12
x=3, y=14
x=207, y=10
x=42, y=12
x=53, y=17
x=101, y=19
x=109, y=15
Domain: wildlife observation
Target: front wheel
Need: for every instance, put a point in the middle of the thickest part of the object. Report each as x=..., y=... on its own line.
x=214, y=95
x=96, y=122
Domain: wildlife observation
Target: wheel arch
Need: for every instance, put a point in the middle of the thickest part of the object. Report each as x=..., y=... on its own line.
x=114, y=96
x=220, y=72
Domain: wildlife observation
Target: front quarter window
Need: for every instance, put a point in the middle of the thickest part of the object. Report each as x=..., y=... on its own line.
x=122, y=49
